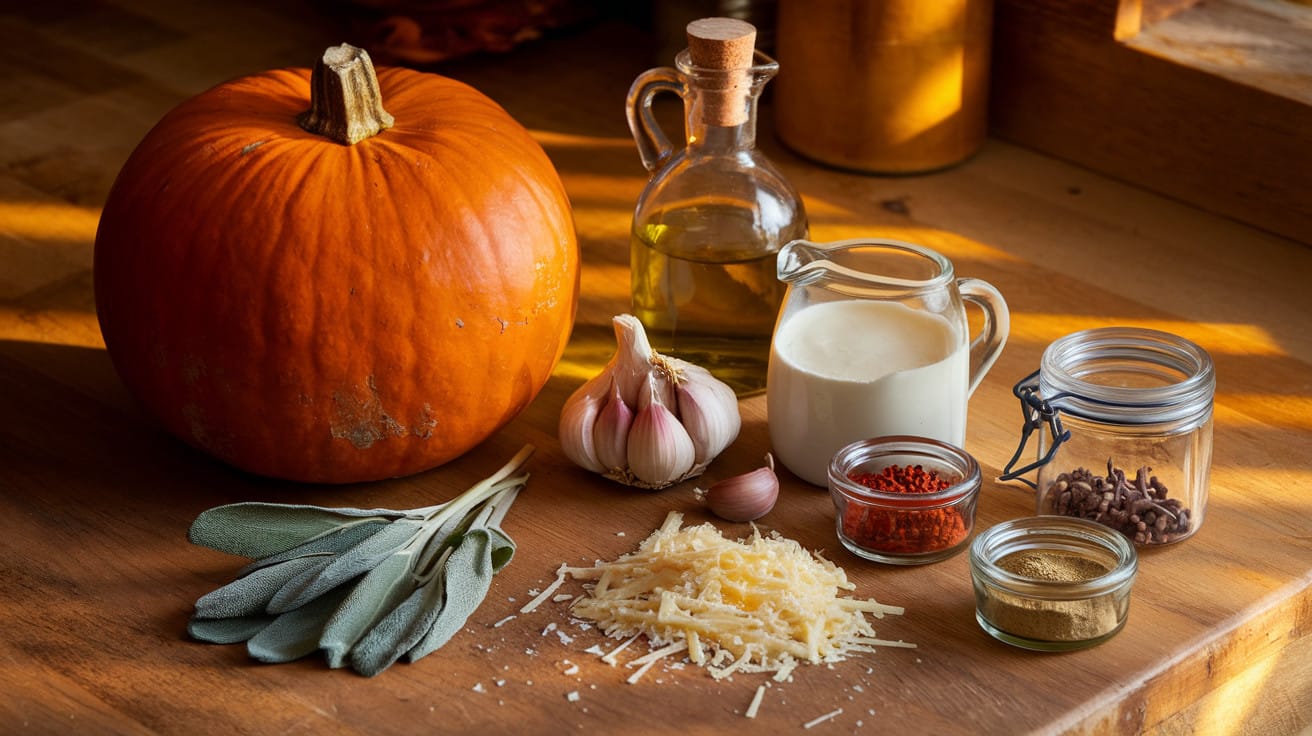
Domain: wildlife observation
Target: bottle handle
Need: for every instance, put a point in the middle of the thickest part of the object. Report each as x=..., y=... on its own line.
x=987, y=345
x=653, y=145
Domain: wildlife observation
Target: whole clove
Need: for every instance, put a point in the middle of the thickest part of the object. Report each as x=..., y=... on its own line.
x=1140, y=508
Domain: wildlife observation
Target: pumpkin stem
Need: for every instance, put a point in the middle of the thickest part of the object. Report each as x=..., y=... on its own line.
x=345, y=103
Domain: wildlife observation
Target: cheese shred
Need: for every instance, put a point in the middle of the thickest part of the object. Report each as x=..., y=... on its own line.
x=821, y=719
x=610, y=658
x=756, y=702
x=762, y=604
x=544, y=595
x=646, y=661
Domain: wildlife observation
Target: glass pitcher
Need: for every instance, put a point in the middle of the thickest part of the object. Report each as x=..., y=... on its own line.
x=873, y=341
x=708, y=225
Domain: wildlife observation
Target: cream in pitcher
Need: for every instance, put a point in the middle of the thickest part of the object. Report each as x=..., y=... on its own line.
x=872, y=340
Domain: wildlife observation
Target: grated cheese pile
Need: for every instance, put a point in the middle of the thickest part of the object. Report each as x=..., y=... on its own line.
x=763, y=604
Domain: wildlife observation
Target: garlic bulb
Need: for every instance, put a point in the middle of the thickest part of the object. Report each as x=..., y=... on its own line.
x=648, y=420
x=745, y=497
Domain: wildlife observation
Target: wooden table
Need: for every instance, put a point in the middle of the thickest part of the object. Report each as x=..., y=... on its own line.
x=97, y=579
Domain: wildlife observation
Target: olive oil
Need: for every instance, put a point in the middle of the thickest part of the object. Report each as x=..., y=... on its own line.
x=710, y=303
x=713, y=216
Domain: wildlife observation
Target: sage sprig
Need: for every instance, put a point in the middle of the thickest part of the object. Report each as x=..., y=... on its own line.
x=366, y=586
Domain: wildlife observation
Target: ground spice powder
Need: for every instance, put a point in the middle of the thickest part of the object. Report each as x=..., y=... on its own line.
x=907, y=530
x=1044, y=620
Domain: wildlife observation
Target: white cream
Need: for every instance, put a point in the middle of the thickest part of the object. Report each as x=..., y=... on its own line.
x=851, y=370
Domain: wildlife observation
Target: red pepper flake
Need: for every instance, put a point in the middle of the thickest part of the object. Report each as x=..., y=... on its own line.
x=906, y=531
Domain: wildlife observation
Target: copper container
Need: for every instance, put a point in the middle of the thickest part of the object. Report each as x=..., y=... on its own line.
x=883, y=86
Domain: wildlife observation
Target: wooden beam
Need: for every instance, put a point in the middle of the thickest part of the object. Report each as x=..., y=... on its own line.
x=1064, y=85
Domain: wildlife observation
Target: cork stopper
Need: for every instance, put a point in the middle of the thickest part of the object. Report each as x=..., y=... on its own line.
x=721, y=43
x=724, y=44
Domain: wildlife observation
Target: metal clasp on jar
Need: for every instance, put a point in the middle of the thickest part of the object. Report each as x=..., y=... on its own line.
x=1037, y=412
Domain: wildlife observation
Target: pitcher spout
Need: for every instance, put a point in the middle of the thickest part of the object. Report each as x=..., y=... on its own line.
x=864, y=267
x=799, y=258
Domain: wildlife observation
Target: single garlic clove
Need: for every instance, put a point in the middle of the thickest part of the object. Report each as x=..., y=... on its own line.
x=708, y=409
x=745, y=497
x=577, y=423
x=660, y=451
x=611, y=434
x=632, y=363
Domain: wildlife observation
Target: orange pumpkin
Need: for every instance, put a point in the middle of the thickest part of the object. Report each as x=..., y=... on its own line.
x=310, y=309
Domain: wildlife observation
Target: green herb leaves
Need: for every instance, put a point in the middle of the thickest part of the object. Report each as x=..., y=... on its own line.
x=367, y=586
x=263, y=529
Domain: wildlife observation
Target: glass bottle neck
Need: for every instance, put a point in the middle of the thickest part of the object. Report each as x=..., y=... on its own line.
x=720, y=105
x=714, y=139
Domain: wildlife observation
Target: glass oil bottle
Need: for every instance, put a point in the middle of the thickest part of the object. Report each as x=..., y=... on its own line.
x=708, y=225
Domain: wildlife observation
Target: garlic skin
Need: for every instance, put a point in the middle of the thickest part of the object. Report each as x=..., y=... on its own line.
x=610, y=435
x=660, y=450
x=577, y=424
x=745, y=497
x=701, y=398
x=648, y=420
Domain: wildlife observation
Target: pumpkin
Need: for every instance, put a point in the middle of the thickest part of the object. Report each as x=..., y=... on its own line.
x=367, y=296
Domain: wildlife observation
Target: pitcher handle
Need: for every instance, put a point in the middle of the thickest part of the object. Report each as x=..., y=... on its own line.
x=653, y=145
x=987, y=345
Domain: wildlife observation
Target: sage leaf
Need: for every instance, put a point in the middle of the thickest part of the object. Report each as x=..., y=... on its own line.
x=296, y=633
x=367, y=586
x=334, y=542
x=300, y=581
x=348, y=565
x=255, y=529
x=503, y=548
x=460, y=551
x=399, y=631
x=227, y=630
x=377, y=593
x=466, y=580
x=440, y=541
x=251, y=594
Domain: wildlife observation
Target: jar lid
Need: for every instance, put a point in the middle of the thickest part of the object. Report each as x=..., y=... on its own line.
x=1128, y=375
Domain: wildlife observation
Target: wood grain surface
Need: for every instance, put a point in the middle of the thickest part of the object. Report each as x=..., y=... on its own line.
x=97, y=579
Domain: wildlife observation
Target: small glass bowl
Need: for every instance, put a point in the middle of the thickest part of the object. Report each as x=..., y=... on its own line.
x=904, y=528
x=1072, y=592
